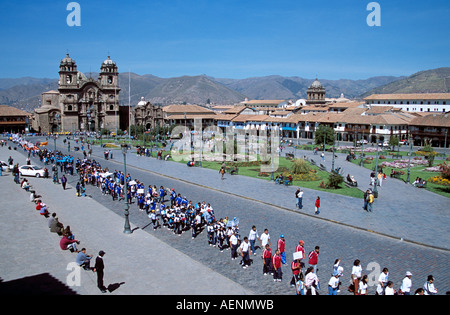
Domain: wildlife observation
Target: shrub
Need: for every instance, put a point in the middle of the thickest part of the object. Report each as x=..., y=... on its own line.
x=300, y=166
x=334, y=180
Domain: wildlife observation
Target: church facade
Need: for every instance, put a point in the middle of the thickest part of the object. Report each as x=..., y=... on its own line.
x=81, y=103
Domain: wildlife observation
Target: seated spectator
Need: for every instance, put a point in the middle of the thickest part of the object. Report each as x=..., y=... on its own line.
x=84, y=260
x=44, y=210
x=25, y=185
x=67, y=244
x=56, y=226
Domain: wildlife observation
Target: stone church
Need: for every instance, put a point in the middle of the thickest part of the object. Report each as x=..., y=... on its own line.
x=81, y=103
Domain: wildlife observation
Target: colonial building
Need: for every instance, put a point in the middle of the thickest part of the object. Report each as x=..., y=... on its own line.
x=81, y=103
x=148, y=115
x=13, y=119
x=413, y=102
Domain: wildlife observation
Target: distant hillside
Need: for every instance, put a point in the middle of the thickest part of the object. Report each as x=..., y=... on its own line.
x=186, y=89
x=430, y=81
x=278, y=87
x=25, y=93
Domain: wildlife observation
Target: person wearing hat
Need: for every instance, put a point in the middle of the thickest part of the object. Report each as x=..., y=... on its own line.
x=281, y=245
x=99, y=268
x=405, y=288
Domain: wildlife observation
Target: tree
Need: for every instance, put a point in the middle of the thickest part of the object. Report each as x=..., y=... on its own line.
x=324, y=133
x=429, y=154
x=393, y=141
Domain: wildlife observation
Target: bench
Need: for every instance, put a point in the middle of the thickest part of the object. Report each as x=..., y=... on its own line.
x=350, y=184
x=313, y=162
x=287, y=182
x=322, y=167
x=290, y=156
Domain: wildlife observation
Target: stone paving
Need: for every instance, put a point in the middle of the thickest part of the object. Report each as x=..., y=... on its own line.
x=268, y=205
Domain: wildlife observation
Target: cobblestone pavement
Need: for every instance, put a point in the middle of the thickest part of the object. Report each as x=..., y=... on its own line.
x=271, y=207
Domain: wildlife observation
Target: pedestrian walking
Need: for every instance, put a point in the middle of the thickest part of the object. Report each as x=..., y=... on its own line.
x=370, y=201
x=428, y=287
x=296, y=270
x=99, y=268
x=281, y=246
x=222, y=172
x=233, y=245
x=366, y=196
x=267, y=260
x=356, y=277
x=276, y=265
x=311, y=282
x=265, y=239
x=314, y=258
x=64, y=181
x=405, y=288
x=382, y=281
x=252, y=236
x=317, y=205
x=245, y=253
x=299, y=196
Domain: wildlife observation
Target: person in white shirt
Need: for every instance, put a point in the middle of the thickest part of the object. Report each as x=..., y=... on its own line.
x=382, y=281
x=233, y=246
x=333, y=285
x=428, y=287
x=245, y=253
x=265, y=238
x=405, y=288
x=311, y=281
x=389, y=290
x=356, y=275
x=362, y=286
x=252, y=236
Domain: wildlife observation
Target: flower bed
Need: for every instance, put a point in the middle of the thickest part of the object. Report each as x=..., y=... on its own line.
x=439, y=180
x=404, y=163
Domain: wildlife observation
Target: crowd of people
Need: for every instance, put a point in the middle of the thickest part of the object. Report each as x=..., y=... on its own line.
x=168, y=209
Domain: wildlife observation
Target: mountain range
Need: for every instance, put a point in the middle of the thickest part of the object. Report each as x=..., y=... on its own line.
x=25, y=93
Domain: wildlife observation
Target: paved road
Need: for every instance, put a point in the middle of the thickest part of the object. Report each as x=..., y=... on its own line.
x=336, y=240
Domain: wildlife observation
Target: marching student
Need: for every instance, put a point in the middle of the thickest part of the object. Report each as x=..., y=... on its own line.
x=276, y=265
x=267, y=260
x=245, y=253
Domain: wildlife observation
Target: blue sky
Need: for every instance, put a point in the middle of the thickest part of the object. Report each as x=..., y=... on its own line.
x=227, y=38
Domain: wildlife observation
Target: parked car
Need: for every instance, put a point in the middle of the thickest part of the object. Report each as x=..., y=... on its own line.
x=404, y=142
x=31, y=170
x=362, y=141
x=384, y=144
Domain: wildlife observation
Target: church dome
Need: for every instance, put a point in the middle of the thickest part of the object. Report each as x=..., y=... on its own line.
x=142, y=102
x=109, y=61
x=67, y=60
x=316, y=84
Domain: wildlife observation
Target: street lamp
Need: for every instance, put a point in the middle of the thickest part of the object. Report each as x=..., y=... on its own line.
x=127, y=229
x=375, y=190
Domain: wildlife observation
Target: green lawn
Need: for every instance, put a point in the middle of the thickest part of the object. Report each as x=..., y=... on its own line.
x=415, y=171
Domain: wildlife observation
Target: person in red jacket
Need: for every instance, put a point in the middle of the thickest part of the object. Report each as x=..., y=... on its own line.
x=314, y=258
x=281, y=245
x=267, y=260
x=276, y=265
x=67, y=243
x=317, y=205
